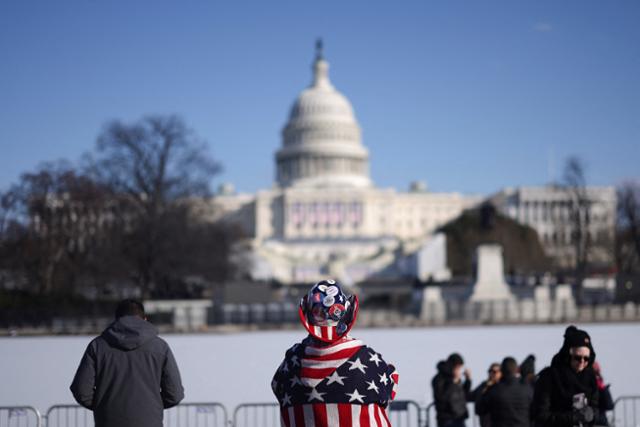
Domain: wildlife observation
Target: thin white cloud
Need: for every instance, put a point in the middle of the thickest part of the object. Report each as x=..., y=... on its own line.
x=542, y=27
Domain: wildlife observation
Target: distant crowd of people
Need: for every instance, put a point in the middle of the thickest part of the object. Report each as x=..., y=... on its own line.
x=570, y=392
x=128, y=375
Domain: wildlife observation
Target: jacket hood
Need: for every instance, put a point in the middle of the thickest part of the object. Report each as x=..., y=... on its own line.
x=129, y=332
x=444, y=368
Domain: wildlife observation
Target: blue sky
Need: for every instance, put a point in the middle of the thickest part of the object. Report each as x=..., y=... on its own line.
x=469, y=96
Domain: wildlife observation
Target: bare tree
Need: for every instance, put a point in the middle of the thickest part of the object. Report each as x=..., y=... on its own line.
x=8, y=223
x=159, y=164
x=8, y=210
x=628, y=252
x=60, y=218
x=575, y=183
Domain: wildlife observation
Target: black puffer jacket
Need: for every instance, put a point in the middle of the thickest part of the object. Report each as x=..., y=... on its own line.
x=450, y=397
x=507, y=403
x=558, y=384
x=127, y=376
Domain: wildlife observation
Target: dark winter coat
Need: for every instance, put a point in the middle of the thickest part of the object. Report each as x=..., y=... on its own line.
x=606, y=403
x=450, y=397
x=507, y=403
x=554, y=390
x=485, y=419
x=127, y=376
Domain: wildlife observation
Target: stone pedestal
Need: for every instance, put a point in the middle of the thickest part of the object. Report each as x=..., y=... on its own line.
x=433, y=308
x=490, y=283
x=542, y=298
x=565, y=308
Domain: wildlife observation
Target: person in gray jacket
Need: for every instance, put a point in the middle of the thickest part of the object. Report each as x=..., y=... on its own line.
x=128, y=374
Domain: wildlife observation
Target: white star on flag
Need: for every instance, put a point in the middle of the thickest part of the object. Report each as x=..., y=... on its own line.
x=335, y=378
x=357, y=365
x=375, y=358
x=384, y=379
x=315, y=395
x=355, y=396
x=285, y=367
x=294, y=380
x=294, y=361
x=372, y=385
x=286, y=400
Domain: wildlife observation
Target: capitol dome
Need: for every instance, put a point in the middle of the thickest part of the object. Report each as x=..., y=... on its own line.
x=321, y=142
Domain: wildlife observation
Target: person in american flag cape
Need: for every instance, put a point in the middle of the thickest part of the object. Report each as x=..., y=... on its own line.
x=331, y=379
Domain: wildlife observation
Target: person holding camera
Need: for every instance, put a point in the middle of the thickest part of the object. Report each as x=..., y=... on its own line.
x=566, y=393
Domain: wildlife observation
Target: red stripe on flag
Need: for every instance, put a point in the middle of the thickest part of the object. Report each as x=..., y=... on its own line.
x=299, y=415
x=323, y=332
x=285, y=417
x=316, y=373
x=376, y=414
x=344, y=412
x=386, y=417
x=342, y=354
x=320, y=415
x=364, y=416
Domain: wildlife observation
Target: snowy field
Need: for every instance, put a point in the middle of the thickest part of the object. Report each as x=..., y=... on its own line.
x=237, y=368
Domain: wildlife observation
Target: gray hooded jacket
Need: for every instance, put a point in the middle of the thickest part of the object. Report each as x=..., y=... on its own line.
x=127, y=376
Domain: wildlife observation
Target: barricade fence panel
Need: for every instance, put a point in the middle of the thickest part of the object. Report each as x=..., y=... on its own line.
x=208, y=414
x=257, y=414
x=196, y=415
x=626, y=412
x=68, y=416
x=405, y=413
x=20, y=416
x=431, y=421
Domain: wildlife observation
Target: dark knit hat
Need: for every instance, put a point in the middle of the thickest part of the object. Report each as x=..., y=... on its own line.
x=574, y=337
x=455, y=359
x=528, y=366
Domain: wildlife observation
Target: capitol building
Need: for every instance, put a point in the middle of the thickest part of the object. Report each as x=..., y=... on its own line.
x=324, y=216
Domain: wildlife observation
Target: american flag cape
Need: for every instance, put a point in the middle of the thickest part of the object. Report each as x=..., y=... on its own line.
x=345, y=384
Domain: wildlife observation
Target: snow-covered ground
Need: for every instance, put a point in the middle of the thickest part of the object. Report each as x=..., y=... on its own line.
x=237, y=368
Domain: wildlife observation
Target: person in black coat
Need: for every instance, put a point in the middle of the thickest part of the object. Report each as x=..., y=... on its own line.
x=606, y=400
x=528, y=371
x=128, y=375
x=507, y=403
x=450, y=393
x=494, y=375
x=566, y=393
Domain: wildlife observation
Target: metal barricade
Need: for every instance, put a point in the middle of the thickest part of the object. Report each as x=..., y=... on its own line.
x=430, y=415
x=68, y=416
x=626, y=412
x=257, y=414
x=431, y=421
x=405, y=413
x=209, y=414
x=20, y=416
x=196, y=415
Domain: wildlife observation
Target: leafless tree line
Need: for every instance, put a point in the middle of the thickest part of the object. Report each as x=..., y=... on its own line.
x=120, y=218
x=625, y=243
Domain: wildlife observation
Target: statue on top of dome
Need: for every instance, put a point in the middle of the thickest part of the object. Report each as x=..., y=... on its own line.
x=319, y=48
